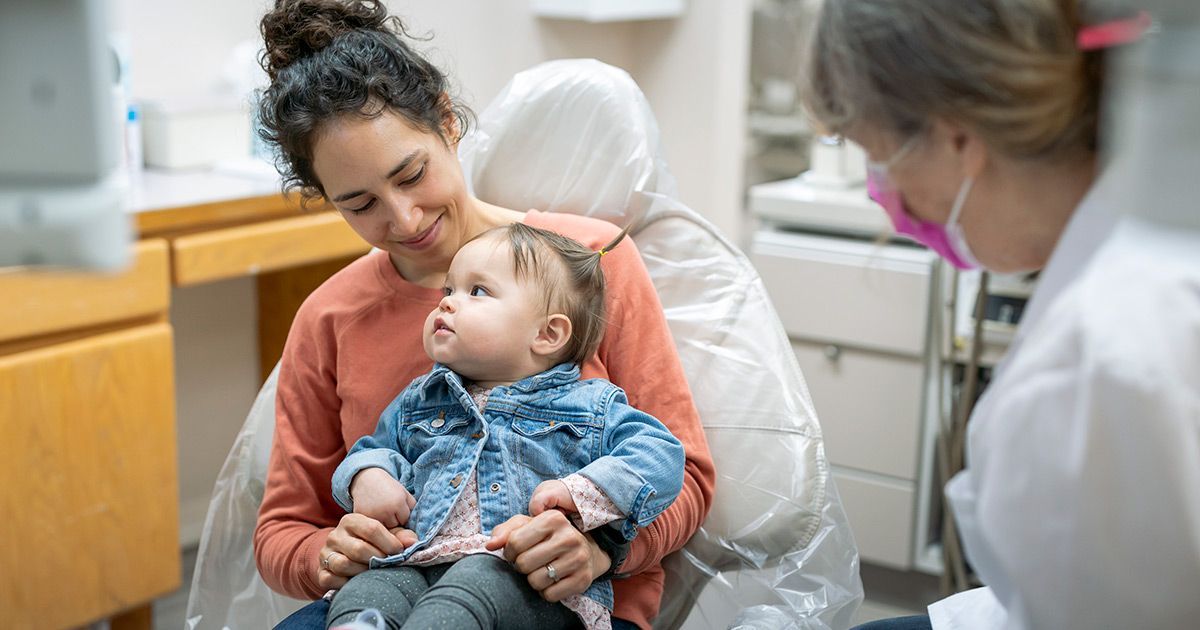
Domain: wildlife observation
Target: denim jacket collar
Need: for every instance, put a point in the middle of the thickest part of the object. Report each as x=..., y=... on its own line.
x=561, y=374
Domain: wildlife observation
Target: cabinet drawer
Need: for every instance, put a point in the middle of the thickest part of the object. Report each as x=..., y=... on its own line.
x=260, y=247
x=863, y=294
x=41, y=302
x=90, y=483
x=881, y=514
x=869, y=404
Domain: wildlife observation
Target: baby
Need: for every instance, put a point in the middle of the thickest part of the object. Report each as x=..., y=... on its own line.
x=500, y=426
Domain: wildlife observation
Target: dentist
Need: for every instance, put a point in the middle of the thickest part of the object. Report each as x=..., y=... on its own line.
x=1080, y=503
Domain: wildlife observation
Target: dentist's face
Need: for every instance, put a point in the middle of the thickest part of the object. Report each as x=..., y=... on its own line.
x=400, y=188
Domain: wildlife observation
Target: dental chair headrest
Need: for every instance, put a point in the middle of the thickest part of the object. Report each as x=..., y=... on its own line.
x=597, y=152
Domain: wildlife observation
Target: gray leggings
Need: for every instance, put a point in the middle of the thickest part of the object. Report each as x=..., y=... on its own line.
x=478, y=591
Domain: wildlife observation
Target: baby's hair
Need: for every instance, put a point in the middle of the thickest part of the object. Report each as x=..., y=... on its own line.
x=575, y=286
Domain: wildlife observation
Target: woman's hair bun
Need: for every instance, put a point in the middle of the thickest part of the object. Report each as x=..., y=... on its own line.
x=295, y=29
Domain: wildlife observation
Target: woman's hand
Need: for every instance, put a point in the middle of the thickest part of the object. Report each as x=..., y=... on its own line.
x=532, y=544
x=352, y=544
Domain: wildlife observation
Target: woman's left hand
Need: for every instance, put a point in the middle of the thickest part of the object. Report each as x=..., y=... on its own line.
x=532, y=544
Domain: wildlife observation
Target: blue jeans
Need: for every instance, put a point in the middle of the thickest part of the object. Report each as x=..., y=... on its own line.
x=916, y=622
x=312, y=617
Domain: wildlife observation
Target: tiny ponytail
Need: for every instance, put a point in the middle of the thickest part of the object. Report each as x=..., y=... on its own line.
x=616, y=241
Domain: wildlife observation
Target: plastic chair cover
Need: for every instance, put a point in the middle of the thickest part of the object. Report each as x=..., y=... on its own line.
x=776, y=551
x=579, y=136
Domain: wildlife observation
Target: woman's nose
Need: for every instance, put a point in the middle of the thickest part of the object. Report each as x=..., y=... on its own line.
x=405, y=221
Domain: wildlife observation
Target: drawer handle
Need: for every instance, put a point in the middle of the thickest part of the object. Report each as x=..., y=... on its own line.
x=833, y=353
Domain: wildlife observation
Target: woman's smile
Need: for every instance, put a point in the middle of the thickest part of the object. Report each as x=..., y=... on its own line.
x=426, y=238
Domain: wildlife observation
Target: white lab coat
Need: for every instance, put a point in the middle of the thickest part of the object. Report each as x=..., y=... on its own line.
x=1080, y=505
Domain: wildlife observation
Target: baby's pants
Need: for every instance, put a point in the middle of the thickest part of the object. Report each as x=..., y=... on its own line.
x=478, y=591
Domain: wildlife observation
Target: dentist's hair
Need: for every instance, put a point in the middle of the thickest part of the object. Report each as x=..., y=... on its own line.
x=1009, y=69
x=569, y=276
x=332, y=58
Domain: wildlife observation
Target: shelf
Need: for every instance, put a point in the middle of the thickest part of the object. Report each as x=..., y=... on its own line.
x=797, y=203
x=608, y=10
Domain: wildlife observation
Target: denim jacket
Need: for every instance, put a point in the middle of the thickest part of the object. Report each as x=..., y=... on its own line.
x=546, y=426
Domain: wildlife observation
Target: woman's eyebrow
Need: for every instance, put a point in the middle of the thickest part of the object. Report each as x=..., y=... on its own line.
x=408, y=159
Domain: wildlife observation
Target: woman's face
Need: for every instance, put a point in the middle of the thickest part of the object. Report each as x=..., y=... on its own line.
x=929, y=175
x=400, y=188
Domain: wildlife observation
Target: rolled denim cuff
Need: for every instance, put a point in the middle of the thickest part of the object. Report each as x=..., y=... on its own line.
x=355, y=463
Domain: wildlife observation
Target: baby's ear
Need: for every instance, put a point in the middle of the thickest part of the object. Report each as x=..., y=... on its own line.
x=553, y=335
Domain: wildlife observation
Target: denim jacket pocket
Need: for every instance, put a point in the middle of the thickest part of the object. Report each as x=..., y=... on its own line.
x=436, y=423
x=553, y=448
x=428, y=438
x=532, y=428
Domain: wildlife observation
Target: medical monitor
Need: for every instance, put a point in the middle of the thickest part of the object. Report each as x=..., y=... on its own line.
x=63, y=198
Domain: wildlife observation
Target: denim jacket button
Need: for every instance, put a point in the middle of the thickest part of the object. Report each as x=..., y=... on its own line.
x=456, y=480
x=437, y=424
x=495, y=487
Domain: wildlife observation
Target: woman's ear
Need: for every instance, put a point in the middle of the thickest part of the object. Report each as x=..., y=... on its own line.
x=553, y=335
x=968, y=147
x=451, y=125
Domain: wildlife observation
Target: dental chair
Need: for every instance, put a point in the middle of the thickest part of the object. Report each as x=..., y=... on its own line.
x=776, y=551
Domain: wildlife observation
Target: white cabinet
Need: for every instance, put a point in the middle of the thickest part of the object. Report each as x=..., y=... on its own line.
x=859, y=316
x=869, y=405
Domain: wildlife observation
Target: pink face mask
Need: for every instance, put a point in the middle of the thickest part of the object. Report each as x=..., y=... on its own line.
x=947, y=240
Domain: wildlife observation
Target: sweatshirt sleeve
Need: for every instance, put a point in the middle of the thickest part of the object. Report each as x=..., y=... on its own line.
x=640, y=357
x=297, y=510
x=381, y=449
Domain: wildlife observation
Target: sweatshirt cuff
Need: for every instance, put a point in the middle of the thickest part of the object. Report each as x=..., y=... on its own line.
x=645, y=551
x=309, y=559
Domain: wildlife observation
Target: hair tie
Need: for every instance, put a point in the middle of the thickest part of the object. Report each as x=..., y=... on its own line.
x=1114, y=32
x=603, y=251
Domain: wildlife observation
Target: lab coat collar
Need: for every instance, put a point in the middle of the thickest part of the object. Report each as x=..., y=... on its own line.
x=1090, y=225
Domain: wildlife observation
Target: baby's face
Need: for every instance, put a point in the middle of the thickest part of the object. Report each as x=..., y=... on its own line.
x=485, y=326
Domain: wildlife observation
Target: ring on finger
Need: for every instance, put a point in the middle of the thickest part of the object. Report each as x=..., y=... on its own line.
x=550, y=571
x=325, y=560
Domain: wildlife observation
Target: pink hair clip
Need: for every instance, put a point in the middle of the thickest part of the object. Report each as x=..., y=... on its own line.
x=1114, y=33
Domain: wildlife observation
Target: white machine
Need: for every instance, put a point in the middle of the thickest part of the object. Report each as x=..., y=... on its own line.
x=62, y=193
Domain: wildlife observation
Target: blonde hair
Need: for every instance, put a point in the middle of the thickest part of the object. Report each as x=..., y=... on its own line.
x=569, y=276
x=1008, y=69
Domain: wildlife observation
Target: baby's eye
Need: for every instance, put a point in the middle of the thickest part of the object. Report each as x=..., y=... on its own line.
x=447, y=291
x=478, y=291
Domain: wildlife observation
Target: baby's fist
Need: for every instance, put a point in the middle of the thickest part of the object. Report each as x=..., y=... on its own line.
x=551, y=495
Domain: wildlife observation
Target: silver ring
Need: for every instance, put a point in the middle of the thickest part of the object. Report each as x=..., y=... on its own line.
x=551, y=572
x=325, y=560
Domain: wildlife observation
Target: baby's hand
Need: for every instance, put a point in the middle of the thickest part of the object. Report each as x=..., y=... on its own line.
x=378, y=495
x=551, y=495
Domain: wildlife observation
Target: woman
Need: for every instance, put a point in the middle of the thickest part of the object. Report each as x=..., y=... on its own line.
x=1079, y=506
x=366, y=124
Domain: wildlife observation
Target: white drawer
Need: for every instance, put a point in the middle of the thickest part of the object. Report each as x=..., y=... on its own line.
x=880, y=512
x=833, y=289
x=869, y=405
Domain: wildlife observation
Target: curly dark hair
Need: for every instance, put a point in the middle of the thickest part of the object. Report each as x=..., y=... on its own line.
x=331, y=58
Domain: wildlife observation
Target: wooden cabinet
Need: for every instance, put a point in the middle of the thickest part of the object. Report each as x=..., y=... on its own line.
x=87, y=398
x=87, y=416
x=90, y=481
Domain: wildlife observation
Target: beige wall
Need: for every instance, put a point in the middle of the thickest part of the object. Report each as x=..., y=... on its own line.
x=693, y=69
x=179, y=47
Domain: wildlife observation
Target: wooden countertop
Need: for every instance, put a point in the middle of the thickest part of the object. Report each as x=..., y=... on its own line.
x=176, y=203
